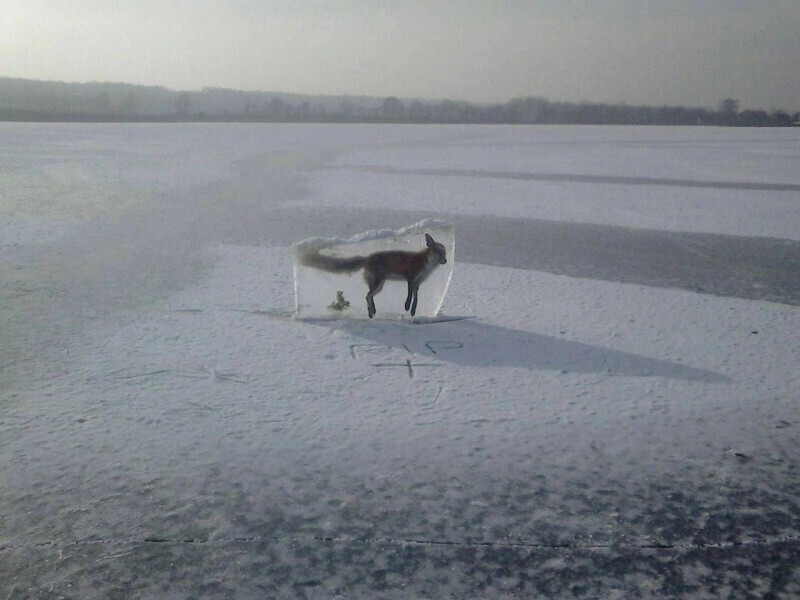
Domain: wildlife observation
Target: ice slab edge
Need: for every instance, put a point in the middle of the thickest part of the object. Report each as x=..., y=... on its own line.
x=323, y=295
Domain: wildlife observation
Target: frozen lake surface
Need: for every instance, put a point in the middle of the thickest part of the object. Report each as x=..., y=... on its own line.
x=612, y=410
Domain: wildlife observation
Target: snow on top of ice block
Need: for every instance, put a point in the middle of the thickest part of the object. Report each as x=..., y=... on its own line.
x=319, y=243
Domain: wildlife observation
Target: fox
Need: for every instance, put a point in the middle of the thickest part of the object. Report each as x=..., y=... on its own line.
x=414, y=267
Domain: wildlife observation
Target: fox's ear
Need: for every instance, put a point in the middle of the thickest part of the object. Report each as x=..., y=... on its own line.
x=429, y=239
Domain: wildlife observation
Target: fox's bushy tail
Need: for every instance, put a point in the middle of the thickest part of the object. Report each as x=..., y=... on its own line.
x=311, y=257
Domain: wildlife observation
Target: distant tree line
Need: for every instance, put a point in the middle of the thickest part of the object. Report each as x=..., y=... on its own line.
x=29, y=100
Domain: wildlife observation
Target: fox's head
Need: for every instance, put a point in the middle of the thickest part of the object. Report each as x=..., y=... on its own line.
x=437, y=249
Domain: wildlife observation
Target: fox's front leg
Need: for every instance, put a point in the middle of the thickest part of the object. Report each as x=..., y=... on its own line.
x=413, y=291
x=414, y=304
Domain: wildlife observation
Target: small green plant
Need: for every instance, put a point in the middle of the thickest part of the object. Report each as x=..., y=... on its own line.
x=340, y=303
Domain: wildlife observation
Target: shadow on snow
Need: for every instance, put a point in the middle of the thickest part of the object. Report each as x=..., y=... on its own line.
x=473, y=343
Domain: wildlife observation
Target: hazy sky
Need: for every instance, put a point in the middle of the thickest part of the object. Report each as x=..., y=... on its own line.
x=690, y=52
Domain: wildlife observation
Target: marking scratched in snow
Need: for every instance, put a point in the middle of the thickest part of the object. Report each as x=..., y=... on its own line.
x=408, y=364
x=441, y=345
x=365, y=348
x=433, y=346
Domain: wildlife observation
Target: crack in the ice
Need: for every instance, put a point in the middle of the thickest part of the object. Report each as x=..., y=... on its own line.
x=404, y=542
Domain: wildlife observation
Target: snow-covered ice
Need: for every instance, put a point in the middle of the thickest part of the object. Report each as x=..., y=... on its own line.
x=170, y=428
x=672, y=179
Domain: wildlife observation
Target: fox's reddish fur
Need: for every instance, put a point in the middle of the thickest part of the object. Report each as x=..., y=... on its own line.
x=405, y=264
x=414, y=267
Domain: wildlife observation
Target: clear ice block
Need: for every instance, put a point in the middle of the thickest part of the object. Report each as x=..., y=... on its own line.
x=329, y=273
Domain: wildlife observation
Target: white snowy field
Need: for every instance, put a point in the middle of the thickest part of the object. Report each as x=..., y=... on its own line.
x=169, y=429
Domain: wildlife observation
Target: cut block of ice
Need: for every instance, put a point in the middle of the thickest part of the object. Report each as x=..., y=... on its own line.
x=331, y=274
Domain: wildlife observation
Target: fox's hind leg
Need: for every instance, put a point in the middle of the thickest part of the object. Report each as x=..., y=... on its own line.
x=374, y=283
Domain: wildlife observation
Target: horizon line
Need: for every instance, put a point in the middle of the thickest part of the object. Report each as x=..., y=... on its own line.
x=380, y=96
